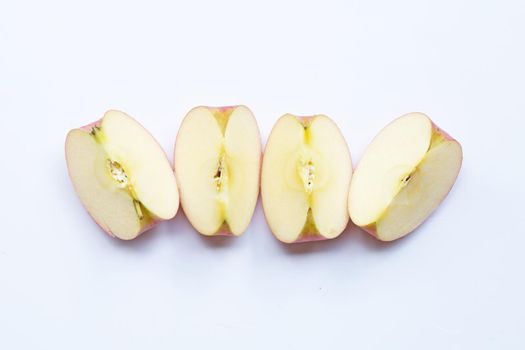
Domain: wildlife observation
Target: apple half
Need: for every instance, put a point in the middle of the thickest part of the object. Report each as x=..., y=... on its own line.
x=403, y=176
x=305, y=178
x=218, y=158
x=121, y=175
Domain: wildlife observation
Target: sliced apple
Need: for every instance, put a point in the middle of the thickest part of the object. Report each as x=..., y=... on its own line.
x=405, y=173
x=121, y=175
x=217, y=157
x=305, y=179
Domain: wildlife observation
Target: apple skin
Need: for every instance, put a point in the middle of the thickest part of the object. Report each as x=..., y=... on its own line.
x=153, y=222
x=371, y=229
x=224, y=230
x=222, y=109
x=309, y=236
x=305, y=120
x=90, y=126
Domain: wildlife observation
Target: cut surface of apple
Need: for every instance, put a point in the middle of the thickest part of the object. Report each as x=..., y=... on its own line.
x=121, y=175
x=217, y=162
x=403, y=176
x=305, y=178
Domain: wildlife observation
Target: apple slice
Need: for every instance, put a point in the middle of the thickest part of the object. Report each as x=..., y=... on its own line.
x=305, y=179
x=405, y=173
x=121, y=175
x=218, y=157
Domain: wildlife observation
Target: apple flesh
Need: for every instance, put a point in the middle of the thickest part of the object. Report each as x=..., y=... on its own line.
x=217, y=157
x=404, y=174
x=306, y=174
x=121, y=175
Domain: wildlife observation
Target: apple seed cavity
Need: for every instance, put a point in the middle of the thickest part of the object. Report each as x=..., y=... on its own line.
x=117, y=173
x=220, y=175
x=307, y=174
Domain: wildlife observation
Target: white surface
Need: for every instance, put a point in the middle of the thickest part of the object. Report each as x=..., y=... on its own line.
x=456, y=283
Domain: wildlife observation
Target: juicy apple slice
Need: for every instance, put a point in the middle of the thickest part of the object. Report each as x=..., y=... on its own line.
x=305, y=179
x=217, y=157
x=404, y=174
x=121, y=175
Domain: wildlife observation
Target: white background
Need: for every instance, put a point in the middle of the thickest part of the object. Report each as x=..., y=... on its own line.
x=456, y=283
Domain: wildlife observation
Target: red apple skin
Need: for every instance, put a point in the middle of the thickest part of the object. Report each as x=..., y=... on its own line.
x=221, y=109
x=310, y=237
x=307, y=236
x=443, y=133
x=152, y=223
x=371, y=229
x=305, y=119
x=90, y=126
x=224, y=233
x=224, y=229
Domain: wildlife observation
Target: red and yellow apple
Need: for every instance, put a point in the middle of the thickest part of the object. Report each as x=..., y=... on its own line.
x=403, y=176
x=217, y=162
x=121, y=175
x=305, y=178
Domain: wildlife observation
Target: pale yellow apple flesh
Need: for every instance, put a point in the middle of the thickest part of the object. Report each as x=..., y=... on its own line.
x=405, y=173
x=217, y=162
x=121, y=175
x=305, y=179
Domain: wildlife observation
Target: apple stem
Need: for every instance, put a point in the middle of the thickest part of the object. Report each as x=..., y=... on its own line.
x=95, y=130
